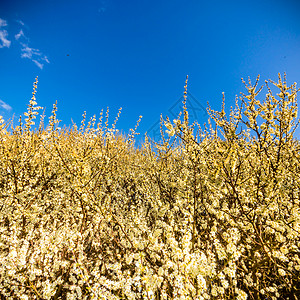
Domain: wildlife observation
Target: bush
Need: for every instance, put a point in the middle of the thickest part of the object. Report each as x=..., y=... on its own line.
x=207, y=213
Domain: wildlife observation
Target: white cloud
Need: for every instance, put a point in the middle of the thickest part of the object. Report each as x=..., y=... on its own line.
x=34, y=55
x=4, y=42
x=20, y=34
x=40, y=65
x=3, y=23
x=4, y=105
x=21, y=22
x=28, y=52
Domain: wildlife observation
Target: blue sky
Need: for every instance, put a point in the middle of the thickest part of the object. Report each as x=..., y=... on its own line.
x=136, y=54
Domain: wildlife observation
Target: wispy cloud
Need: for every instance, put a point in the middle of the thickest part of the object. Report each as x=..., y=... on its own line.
x=4, y=42
x=20, y=22
x=35, y=55
x=3, y=23
x=5, y=105
x=20, y=34
x=40, y=65
x=103, y=7
x=28, y=52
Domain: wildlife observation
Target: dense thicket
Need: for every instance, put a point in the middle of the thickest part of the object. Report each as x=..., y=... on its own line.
x=208, y=213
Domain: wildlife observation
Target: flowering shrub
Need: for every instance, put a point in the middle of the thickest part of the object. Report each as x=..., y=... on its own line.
x=208, y=215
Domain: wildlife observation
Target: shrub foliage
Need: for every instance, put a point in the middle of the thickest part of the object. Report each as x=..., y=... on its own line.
x=207, y=213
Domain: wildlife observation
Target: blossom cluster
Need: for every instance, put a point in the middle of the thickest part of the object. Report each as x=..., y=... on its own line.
x=86, y=215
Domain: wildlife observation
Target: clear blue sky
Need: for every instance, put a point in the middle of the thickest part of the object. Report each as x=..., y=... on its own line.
x=136, y=54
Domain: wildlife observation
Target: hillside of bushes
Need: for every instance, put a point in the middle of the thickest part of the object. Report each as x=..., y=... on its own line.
x=209, y=212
